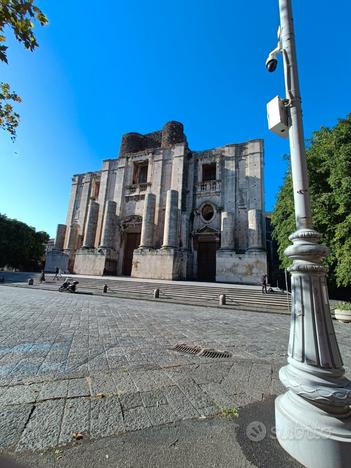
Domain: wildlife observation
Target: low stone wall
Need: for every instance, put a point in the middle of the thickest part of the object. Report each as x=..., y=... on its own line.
x=95, y=262
x=169, y=264
x=56, y=259
x=246, y=268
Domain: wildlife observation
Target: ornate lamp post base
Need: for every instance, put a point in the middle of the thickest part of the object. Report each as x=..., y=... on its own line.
x=313, y=436
x=313, y=418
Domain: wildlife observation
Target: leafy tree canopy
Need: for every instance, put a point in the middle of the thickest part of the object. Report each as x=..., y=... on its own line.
x=18, y=16
x=329, y=166
x=20, y=245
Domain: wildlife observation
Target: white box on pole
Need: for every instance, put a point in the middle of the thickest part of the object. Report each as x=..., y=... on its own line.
x=277, y=116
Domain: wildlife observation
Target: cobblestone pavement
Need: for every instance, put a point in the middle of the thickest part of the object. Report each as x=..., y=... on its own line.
x=103, y=366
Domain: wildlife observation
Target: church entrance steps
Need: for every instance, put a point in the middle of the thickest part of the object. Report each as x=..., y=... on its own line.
x=239, y=297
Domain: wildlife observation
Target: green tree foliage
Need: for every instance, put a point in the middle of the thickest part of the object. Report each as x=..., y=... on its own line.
x=18, y=16
x=9, y=119
x=329, y=166
x=20, y=245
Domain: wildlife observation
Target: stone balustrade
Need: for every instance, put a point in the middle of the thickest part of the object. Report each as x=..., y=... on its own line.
x=137, y=188
x=209, y=186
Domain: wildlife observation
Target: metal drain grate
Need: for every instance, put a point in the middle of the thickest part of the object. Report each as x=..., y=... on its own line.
x=198, y=351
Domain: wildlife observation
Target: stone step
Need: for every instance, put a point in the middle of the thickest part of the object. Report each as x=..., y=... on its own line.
x=249, y=305
x=165, y=290
x=201, y=297
x=266, y=299
x=175, y=286
x=238, y=298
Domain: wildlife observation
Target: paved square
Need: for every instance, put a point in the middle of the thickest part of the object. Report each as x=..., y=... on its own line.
x=103, y=366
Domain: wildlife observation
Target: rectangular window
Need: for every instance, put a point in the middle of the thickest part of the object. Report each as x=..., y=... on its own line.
x=140, y=173
x=95, y=186
x=143, y=174
x=208, y=172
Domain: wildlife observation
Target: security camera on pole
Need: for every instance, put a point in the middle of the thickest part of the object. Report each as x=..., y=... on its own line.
x=313, y=418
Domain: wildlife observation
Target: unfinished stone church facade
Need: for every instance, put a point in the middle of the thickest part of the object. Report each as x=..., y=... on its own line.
x=163, y=211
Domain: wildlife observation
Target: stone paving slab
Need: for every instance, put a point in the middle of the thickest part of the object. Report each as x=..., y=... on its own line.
x=19, y=394
x=76, y=419
x=13, y=420
x=105, y=367
x=78, y=388
x=136, y=419
x=43, y=428
x=52, y=390
x=106, y=417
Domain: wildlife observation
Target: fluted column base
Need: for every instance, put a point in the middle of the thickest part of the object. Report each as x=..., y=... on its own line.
x=313, y=418
x=313, y=436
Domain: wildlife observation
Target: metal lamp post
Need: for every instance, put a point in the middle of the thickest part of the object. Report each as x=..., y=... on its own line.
x=313, y=418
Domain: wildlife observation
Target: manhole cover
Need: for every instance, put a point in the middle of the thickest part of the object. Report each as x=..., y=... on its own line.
x=198, y=351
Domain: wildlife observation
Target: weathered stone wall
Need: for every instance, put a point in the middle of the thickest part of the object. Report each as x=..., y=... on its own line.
x=95, y=262
x=131, y=143
x=56, y=259
x=167, y=264
x=171, y=134
x=246, y=268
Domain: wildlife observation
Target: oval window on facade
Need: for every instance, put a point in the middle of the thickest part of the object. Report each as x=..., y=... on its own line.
x=207, y=212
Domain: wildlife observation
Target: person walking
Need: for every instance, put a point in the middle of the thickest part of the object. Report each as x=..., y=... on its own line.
x=264, y=284
x=56, y=273
x=42, y=277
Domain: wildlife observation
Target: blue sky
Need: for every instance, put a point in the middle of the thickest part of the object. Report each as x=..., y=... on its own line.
x=114, y=66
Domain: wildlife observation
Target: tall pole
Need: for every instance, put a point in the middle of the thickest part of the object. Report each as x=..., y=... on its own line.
x=313, y=418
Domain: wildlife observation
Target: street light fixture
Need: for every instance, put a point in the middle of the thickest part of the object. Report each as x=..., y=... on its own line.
x=313, y=418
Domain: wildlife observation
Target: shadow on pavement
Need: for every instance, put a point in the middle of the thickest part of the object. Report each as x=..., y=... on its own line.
x=17, y=277
x=6, y=462
x=256, y=436
x=196, y=443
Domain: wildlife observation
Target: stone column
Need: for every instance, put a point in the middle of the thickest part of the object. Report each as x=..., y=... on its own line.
x=255, y=241
x=170, y=236
x=227, y=231
x=147, y=228
x=73, y=237
x=184, y=230
x=109, y=225
x=60, y=236
x=90, y=228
